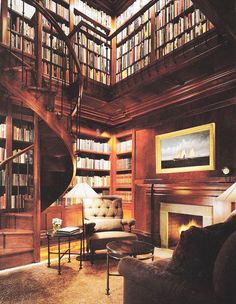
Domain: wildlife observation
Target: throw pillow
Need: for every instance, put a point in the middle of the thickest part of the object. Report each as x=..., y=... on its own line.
x=197, y=250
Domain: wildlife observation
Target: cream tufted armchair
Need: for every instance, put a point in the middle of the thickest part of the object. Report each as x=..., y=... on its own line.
x=104, y=223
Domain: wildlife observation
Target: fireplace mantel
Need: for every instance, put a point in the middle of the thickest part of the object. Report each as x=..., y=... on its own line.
x=149, y=196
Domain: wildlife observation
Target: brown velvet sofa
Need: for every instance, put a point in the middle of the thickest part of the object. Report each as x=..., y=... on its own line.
x=202, y=270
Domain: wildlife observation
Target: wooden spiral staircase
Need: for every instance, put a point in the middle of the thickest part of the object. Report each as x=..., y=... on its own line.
x=53, y=154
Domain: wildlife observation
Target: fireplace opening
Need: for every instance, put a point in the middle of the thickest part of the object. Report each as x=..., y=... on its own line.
x=179, y=222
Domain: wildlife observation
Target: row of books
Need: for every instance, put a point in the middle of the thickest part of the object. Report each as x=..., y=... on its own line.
x=47, y=25
x=24, y=133
x=18, y=25
x=133, y=55
x=125, y=195
x=100, y=49
x=90, y=163
x=96, y=75
x=2, y=130
x=181, y=39
x=134, y=41
x=172, y=30
x=124, y=146
x=98, y=15
x=57, y=71
x=95, y=181
x=16, y=42
x=55, y=42
x=130, y=11
x=19, y=6
x=58, y=59
x=3, y=201
x=2, y=154
x=23, y=158
x=18, y=201
x=187, y=21
x=92, y=145
x=58, y=9
x=135, y=25
x=178, y=6
x=79, y=18
x=22, y=179
x=2, y=178
x=123, y=179
x=133, y=68
x=124, y=164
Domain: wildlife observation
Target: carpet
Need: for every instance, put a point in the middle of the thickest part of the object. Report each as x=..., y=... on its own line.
x=37, y=284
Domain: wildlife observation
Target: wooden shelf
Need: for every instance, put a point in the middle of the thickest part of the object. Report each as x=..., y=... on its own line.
x=93, y=170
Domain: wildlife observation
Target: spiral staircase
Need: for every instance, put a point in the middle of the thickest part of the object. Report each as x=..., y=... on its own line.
x=20, y=231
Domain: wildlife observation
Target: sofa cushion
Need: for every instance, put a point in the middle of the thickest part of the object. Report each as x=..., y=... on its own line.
x=107, y=224
x=196, y=251
x=224, y=275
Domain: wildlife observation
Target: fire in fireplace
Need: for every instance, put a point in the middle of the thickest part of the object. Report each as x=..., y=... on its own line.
x=178, y=223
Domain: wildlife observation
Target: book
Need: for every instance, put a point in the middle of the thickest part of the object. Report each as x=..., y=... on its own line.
x=68, y=230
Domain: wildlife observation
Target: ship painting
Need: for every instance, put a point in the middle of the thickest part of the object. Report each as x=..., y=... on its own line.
x=188, y=150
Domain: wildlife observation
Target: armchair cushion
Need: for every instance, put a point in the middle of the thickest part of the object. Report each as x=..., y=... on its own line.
x=107, y=224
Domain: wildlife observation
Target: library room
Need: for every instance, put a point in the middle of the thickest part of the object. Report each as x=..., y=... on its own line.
x=117, y=153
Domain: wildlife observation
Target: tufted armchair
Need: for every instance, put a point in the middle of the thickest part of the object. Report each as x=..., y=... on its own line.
x=104, y=223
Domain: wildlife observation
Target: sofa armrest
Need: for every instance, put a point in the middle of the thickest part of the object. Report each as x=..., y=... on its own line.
x=145, y=281
x=129, y=223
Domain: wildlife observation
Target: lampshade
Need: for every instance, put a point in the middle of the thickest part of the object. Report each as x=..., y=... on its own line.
x=228, y=195
x=81, y=190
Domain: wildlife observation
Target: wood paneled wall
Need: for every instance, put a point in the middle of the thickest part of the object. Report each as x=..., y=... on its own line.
x=201, y=187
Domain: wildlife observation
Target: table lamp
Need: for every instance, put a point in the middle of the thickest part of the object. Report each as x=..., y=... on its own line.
x=81, y=191
x=229, y=195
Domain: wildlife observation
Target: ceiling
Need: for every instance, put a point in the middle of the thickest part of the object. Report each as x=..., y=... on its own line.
x=112, y=7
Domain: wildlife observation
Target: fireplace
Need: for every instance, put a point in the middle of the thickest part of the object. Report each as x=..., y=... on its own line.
x=177, y=223
x=172, y=215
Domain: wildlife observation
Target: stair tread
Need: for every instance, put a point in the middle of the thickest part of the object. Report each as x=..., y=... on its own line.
x=18, y=214
x=13, y=251
x=15, y=231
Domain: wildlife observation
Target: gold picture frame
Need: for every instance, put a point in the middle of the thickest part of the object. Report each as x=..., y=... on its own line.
x=186, y=150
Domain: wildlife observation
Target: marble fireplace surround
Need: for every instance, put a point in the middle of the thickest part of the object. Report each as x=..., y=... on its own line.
x=165, y=208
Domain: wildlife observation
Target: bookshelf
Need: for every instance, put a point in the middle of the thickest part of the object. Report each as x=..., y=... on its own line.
x=123, y=177
x=21, y=26
x=133, y=46
x=177, y=22
x=93, y=162
x=16, y=178
x=93, y=49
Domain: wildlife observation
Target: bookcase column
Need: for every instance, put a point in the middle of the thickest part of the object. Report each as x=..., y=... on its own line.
x=4, y=37
x=38, y=48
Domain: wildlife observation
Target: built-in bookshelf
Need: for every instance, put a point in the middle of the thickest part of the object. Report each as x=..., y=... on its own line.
x=94, y=14
x=93, y=162
x=16, y=179
x=21, y=26
x=93, y=50
x=130, y=11
x=133, y=48
x=177, y=22
x=123, y=183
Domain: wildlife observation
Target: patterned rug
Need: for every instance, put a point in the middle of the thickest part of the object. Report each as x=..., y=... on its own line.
x=37, y=284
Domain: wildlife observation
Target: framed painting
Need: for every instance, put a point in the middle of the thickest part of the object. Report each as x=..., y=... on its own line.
x=190, y=149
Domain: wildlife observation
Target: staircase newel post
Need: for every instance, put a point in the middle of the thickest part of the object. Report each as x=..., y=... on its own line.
x=37, y=193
